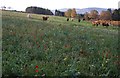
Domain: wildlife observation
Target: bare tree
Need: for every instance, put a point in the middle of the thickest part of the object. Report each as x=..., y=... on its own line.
x=3, y=7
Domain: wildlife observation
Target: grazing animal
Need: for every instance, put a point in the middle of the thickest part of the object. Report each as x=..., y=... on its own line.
x=79, y=20
x=105, y=24
x=83, y=19
x=115, y=23
x=95, y=23
x=45, y=18
x=28, y=16
x=67, y=19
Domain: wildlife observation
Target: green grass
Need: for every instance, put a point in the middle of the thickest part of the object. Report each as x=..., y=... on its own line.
x=57, y=46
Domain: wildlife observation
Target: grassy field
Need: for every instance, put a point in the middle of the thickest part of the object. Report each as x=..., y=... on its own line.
x=58, y=47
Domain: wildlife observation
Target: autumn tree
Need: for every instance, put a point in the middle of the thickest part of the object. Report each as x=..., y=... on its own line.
x=86, y=16
x=73, y=13
x=105, y=15
x=68, y=13
x=93, y=14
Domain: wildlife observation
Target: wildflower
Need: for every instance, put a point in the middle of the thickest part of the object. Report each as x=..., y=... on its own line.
x=106, y=61
x=36, y=66
x=36, y=70
x=78, y=72
x=107, y=55
x=37, y=43
x=43, y=74
x=34, y=37
x=102, y=65
x=67, y=46
x=35, y=76
x=92, y=65
x=65, y=59
x=69, y=64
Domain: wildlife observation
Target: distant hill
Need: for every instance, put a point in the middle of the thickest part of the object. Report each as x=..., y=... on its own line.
x=83, y=10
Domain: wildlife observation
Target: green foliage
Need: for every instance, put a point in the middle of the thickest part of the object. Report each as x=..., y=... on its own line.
x=116, y=15
x=38, y=10
x=59, y=13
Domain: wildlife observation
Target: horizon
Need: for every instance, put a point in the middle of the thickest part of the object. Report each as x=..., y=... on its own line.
x=53, y=4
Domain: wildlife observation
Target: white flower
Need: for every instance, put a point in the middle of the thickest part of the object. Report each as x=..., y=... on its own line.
x=78, y=72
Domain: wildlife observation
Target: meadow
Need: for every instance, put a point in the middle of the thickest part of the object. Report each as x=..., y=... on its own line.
x=58, y=47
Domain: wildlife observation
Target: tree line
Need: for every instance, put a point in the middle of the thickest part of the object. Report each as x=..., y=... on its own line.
x=59, y=13
x=38, y=10
x=94, y=15
x=104, y=15
x=71, y=13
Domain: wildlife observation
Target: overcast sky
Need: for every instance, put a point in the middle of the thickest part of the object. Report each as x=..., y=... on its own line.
x=21, y=5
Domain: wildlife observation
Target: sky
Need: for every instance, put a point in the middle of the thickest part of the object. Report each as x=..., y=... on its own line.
x=21, y=5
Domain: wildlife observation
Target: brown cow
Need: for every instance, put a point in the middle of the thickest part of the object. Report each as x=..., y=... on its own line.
x=105, y=23
x=83, y=19
x=79, y=20
x=115, y=23
x=95, y=23
x=45, y=18
x=67, y=19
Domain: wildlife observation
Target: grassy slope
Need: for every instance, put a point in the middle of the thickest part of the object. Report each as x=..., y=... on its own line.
x=58, y=47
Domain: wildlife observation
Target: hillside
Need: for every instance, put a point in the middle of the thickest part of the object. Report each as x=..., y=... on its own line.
x=57, y=47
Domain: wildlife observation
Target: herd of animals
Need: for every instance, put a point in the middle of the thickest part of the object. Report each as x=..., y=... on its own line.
x=106, y=23
x=94, y=23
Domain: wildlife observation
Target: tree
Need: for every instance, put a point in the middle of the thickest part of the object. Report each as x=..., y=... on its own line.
x=116, y=15
x=59, y=13
x=78, y=16
x=86, y=16
x=73, y=13
x=38, y=10
x=68, y=13
x=3, y=7
x=105, y=15
x=109, y=9
x=93, y=14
